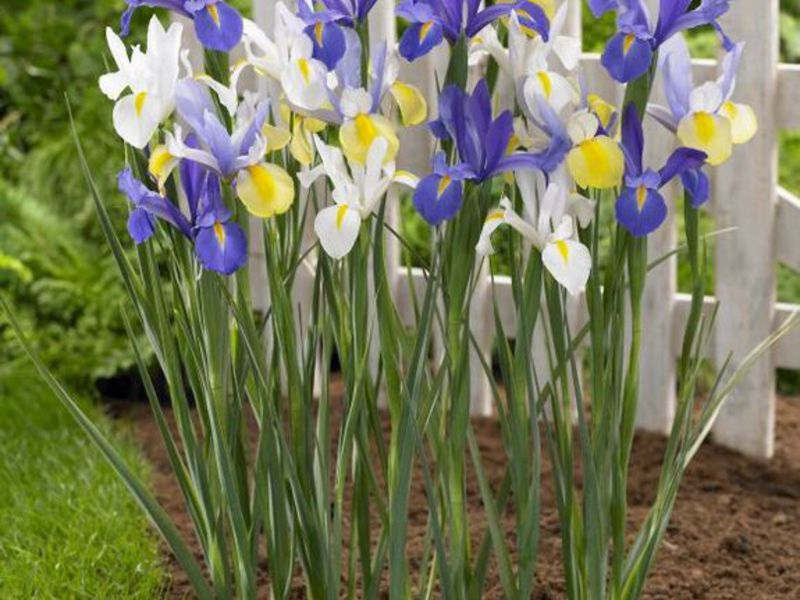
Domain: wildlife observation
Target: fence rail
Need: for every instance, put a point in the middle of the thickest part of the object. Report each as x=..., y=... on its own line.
x=764, y=222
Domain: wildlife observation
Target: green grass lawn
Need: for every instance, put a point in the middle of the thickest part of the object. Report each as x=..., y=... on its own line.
x=68, y=528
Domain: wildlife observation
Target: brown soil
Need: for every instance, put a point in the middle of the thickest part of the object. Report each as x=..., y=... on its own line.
x=735, y=532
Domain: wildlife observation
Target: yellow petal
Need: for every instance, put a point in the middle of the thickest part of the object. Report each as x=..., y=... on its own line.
x=412, y=104
x=744, y=123
x=265, y=189
x=277, y=137
x=356, y=137
x=708, y=133
x=300, y=147
x=161, y=164
x=597, y=163
x=313, y=125
x=601, y=108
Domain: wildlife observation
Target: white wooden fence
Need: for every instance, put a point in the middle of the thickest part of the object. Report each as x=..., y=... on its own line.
x=746, y=196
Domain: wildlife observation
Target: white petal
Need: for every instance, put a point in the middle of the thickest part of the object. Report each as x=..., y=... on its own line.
x=569, y=262
x=582, y=126
x=706, y=98
x=494, y=219
x=135, y=125
x=337, y=228
x=304, y=84
x=355, y=102
x=582, y=208
x=553, y=206
x=568, y=51
x=333, y=162
x=373, y=173
x=113, y=84
x=307, y=178
x=405, y=178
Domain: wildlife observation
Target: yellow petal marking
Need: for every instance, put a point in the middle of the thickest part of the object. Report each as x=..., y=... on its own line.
x=546, y=83
x=513, y=143
x=340, y=213
x=214, y=13
x=160, y=164
x=219, y=231
x=626, y=45
x=356, y=137
x=641, y=197
x=305, y=69
x=563, y=249
x=365, y=129
x=709, y=133
x=138, y=102
x=744, y=124
x=443, y=185
x=319, y=28
x=423, y=31
x=495, y=215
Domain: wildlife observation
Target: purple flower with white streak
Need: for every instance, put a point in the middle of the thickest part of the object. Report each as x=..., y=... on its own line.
x=217, y=25
x=629, y=53
x=431, y=21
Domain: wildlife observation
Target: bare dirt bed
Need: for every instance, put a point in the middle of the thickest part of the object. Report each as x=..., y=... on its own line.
x=735, y=532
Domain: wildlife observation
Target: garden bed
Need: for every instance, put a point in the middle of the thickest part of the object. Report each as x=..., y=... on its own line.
x=735, y=531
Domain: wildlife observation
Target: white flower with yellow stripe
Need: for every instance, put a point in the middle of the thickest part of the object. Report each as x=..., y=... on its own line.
x=356, y=192
x=150, y=77
x=548, y=225
x=288, y=60
x=527, y=61
x=704, y=118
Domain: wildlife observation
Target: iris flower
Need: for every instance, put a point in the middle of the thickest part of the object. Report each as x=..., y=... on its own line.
x=549, y=225
x=324, y=26
x=360, y=110
x=150, y=76
x=356, y=193
x=596, y=159
x=220, y=243
x=288, y=60
x=483, y=151
x=432, y=21
x=217, y=25
x=264, y=188
x=629, y=53
x=705, y=117
x=641, y=208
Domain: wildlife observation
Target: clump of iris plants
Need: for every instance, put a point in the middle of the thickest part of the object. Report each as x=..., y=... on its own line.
x=290, y=154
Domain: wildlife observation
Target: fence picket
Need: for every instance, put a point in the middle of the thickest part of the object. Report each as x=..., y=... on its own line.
x=746, y=193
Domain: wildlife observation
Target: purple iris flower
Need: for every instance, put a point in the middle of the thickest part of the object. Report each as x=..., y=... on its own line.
x=344, y=12
x=641, y=208
x=222, y=152
x=629, y=53
x=217, y=25
x=433, y=20
x=482, y=147
x=220, y=243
